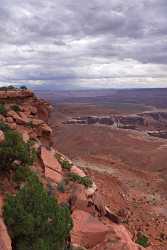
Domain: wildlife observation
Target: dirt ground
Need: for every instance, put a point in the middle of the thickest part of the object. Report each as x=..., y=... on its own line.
x=129, y=167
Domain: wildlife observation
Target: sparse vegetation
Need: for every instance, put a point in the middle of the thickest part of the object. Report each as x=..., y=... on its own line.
x=65, y=164
x=14, y=148
x=23, y=87
x=86, y=181
x=142, y=240
x=30, y=125
x=4, y=127
x=22, y=173
x=16, y=108
x=35, y=220
x=61, y=187
x=2, y=109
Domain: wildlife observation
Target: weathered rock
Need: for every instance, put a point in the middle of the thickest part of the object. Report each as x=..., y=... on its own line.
x=87, y=230
x=78, y=199
x=45, y=130
x=18, y=119
x=37, y=122
x=12, y=125
x=5, y=241
x=90, y=191
x=99, y=204
x=49, y=160
x=53, y=176
x=25, y=136
x=9, y=119
x=2, y=136
x=2, y=118
x=118, y=239
x=19, y=94
x=77, y=171
x=13, y=114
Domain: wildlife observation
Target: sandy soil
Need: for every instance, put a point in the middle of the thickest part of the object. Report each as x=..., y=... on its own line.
x=129, y=167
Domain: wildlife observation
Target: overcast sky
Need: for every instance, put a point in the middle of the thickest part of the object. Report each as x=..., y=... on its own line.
x=84, y=43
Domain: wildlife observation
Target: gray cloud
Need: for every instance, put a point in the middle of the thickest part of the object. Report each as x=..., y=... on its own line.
x=96, y=43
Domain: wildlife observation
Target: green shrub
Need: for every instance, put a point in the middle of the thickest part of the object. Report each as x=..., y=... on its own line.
x=4, y=127
x=86, y=181
x=142, y=240
x=61, y=187
x=65, y=164
x=14, y=148
x=30, y=125
x=22, y=173
x=2, y=109
x=34, y=219
x=16, y=108
x=23, y=87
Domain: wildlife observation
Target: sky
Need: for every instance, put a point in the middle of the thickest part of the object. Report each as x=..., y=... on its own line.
x=84, y=43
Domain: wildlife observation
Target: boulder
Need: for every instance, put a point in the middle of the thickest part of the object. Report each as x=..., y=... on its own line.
x=78, y=199
x=9, y=119
x=2, y=118
x=53, y=176
x=25, y=136
x=87, y=230
x=90, y=191
x=12, y=125
x=13, y=114
x=18, y=119
x=2, y=136
x=49, y=160
x=37, y=122
x=77, y=171
x=5, y=241
x=99, y=204
x=45, y=130
x=118, y=239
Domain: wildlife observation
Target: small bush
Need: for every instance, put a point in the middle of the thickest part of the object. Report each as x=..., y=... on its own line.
x=65, y=164
x=23, y=87
x=16, y=108
x=22, y=173
x=142, y=240
x=61, y=187
x=2, y=109
x=4, y=127
x=14, y=148
x=34, y=219
x=30, y=125
x=86, y=181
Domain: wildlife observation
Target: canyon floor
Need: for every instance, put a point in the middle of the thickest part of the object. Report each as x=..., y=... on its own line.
x=129, y=166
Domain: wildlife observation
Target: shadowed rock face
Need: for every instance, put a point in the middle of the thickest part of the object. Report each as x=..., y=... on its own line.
x=156, y=122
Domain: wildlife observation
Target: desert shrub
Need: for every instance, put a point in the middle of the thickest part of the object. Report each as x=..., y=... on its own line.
x=4, y=127
x=30, y=124
x=2, y=109
x=65, y=164
x=16, y=108
x=14, y=148
x=86, y=181
x=34, y=219
x=142, y=240
x=22, y=173
x=61, y=186
x=23, y=87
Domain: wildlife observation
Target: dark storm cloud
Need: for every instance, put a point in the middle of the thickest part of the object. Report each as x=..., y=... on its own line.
x=88, y=43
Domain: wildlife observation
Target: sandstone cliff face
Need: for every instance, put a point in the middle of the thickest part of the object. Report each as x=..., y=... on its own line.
x=95, y=226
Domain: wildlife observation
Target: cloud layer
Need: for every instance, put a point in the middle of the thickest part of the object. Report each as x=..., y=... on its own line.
x=109, y=43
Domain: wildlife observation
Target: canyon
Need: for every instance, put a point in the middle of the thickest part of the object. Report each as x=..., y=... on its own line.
x=96, y=225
